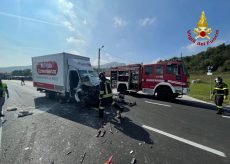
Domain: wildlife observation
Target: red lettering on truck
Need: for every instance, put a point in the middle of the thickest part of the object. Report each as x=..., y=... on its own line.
x=47, y=68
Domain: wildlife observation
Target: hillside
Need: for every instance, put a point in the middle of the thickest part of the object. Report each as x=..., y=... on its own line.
x=218, y=57
x=112, y=64
x=12, y=68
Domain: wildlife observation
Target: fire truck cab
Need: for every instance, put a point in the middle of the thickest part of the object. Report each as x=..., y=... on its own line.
x=166, y=80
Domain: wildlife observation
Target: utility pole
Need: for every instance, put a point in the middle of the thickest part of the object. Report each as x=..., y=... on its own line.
x=210, y=74
x=99, y=56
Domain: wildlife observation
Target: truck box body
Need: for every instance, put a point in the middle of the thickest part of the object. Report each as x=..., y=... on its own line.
x=50, y=72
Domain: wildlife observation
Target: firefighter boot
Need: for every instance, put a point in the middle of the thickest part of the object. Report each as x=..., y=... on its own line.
x=118, y=114
x=219, y=111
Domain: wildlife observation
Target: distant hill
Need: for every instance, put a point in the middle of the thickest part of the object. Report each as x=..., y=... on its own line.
x=12, y=68
x=112, y=64
x=218, y=57
x=109, y=65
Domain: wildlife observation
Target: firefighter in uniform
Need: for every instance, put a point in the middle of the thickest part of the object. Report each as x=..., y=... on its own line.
x=220, y=92
x=3, y=92
x=106, y=95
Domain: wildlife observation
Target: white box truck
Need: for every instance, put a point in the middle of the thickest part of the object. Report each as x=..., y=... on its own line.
x=65, y=74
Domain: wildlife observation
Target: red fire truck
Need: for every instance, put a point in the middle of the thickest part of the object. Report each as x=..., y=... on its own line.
x=166, y=80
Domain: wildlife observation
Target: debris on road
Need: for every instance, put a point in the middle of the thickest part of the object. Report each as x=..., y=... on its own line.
x=131, y=104
x=104, y=141
x=27, y=148
x=98, y=133
x=82, y=157
x=103, y=133
x=133, y=161
x=24, y=113
x=109, y=160
x=3, y=122
x=131, y=152
x=110, y=128
x=151, y=146
x=69, y=153
x=9, y=109
x=140, y=144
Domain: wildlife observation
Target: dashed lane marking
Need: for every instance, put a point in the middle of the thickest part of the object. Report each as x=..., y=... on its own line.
x=226, y=116
x=150, y=102
x=211, y=150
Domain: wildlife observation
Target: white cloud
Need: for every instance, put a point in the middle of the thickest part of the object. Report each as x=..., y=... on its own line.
x=193, y=48
x=75, y=52
x=67, y=7
x=106, y=58
x=29, y=19
x=69, y=16
x=218, y=42
x=84, y=22
x=74, y=40
x=156, y=60
x=69, y=25
x=147, y=21
x=119, y=22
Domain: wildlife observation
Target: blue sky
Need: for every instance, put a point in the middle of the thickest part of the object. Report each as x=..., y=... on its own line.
x=132, y=31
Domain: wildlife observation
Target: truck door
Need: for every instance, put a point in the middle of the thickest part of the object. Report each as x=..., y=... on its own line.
x=73, y=81
x=173, y=72
x=160, y=74
x=113, y=79
x=147, y=78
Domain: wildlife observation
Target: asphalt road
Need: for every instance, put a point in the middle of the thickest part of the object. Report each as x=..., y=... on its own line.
x=152, y=132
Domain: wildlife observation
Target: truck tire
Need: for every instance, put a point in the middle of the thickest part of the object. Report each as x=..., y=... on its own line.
x=50, y=94
x=82, y=101
x=164, y=93
x=122, y=88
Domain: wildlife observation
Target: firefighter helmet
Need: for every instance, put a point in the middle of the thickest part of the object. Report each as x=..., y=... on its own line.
x=218, y=80
x=102, y=75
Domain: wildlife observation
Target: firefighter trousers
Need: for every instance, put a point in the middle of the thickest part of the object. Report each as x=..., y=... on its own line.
x=219, y=102
x=2, y=101
x=105, y=104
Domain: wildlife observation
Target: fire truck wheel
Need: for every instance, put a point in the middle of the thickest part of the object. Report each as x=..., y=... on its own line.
x=122, y=88
x=164, y=93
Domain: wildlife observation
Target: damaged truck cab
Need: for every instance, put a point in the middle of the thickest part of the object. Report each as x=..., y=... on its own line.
x=68, y=75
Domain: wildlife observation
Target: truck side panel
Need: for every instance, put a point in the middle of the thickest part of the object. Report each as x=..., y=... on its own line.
x=48, y=72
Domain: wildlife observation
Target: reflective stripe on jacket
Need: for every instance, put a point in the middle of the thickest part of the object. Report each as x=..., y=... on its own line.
x=221, y=89
x=4, y=88
x=105, y=89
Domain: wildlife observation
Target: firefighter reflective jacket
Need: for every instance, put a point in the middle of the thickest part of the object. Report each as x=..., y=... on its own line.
x=3, y=89
x=105, y=89
x=221, y=89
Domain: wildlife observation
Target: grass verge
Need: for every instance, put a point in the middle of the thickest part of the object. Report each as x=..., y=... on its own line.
x=201, y=90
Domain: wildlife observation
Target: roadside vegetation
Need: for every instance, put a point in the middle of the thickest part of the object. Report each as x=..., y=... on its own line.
x=201, y=89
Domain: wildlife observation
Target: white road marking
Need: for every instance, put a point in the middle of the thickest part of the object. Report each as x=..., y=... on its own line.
x=150, y=102
x=211, y=150
x=1, y=134
x=226, y=116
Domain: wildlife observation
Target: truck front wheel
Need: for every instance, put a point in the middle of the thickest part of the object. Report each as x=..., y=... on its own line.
x=50, y=94
x=122, y=88
x=164, y=93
